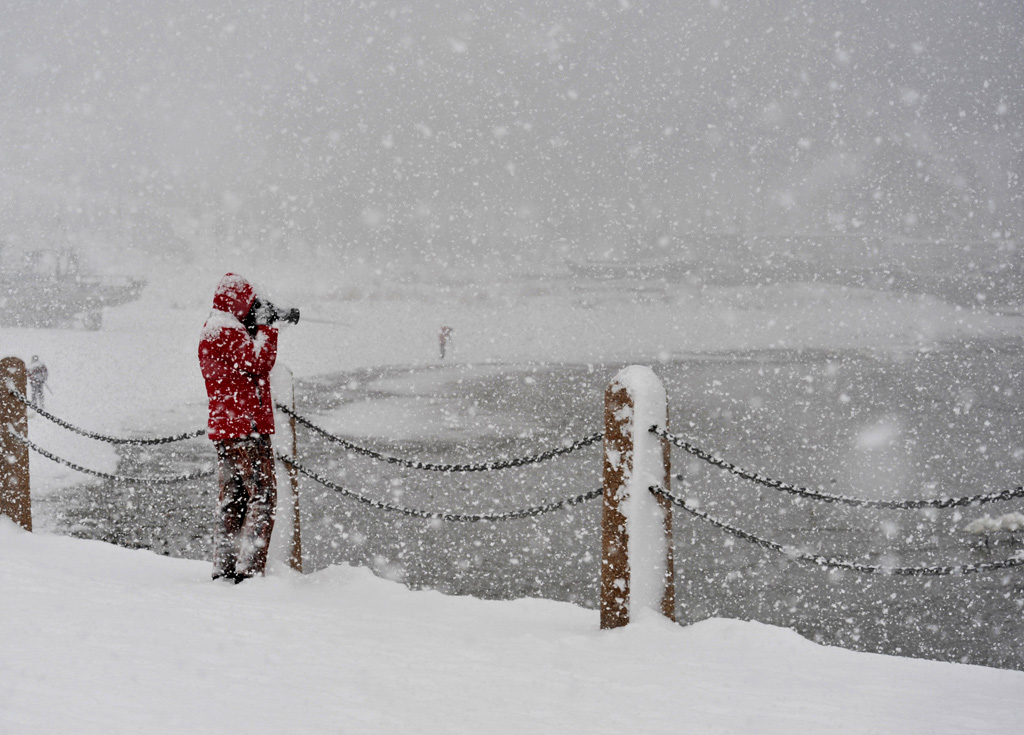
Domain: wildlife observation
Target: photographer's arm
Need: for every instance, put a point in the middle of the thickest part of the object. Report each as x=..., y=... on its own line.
x=265, y=350
x=256, y=357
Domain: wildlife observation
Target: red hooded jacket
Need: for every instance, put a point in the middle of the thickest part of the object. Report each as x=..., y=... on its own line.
x=236, y=367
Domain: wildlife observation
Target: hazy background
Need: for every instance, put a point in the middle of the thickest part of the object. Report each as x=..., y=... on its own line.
x=494, y=133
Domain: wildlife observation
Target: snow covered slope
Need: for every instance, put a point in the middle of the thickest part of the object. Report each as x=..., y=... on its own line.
x=100, y=639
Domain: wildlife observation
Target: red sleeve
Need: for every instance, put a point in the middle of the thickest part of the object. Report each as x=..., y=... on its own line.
x=261, y=362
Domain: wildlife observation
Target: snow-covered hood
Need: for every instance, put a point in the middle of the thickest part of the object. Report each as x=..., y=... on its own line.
x=233, y=295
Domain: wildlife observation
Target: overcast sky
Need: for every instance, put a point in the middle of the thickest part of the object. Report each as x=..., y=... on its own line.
x=471, y=127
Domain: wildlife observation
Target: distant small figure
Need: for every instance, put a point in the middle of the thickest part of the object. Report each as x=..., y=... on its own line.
x=37, y=374
x=446, y=340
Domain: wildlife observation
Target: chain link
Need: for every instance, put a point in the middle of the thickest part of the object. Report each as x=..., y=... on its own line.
x=127, y=479
x=104, y=437
x=415, y=465
x=829, y=497
x=441, y=515
x=795, y=555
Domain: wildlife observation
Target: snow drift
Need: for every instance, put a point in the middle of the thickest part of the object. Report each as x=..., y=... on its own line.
x=100, y=639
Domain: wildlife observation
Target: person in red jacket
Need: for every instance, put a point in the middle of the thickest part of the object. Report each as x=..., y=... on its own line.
x=237, y=350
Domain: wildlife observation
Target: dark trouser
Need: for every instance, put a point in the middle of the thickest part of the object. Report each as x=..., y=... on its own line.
x=245, y=508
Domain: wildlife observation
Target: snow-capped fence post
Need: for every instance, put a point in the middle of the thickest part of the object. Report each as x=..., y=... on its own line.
x=15, y=492
x=637, y=569
x=287, y=539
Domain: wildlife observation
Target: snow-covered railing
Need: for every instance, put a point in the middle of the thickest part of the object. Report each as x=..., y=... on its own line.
x=436, y=515
x=637, y=565
x=15, y=444
x=14, y=401
x=793, y=554
x=412, y=464
x=796, y=555
x=113, y=477
x=910, y=504
x=132, y=440
x=488, y=466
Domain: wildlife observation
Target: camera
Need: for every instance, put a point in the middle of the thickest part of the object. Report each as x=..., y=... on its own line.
x=277, y=314
x=264, y=312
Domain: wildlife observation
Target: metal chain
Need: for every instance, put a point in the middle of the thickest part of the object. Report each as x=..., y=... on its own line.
x=792, y=553
x=104, y=437
x=127, y=479
x=441, y=515
x=415, y=465
x=829, y=497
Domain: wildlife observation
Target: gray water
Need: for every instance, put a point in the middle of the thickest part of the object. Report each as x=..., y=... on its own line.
x=931, y=423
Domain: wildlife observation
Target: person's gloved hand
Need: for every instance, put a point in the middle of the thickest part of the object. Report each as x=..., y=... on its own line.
x=264, y=313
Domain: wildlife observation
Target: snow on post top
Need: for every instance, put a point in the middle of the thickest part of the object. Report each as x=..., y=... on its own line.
x=645, y=389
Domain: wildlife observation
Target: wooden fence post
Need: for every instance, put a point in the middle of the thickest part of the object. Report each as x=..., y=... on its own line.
x=295, y=554
x=637, y=568
x=15, y=490
x=283, y=390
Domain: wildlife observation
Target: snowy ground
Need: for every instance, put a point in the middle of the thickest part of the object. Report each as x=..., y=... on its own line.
x=99, y=639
